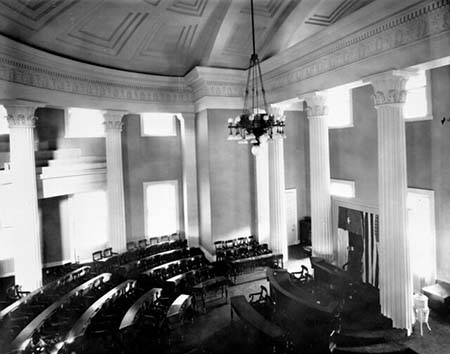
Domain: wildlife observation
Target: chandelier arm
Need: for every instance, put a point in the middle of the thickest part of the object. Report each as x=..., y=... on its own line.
x=246, y=88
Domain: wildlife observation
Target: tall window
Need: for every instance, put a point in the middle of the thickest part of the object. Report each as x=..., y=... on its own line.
x=342, y=188
x=418, y=97
x=3, y=121
x=158, y=124
x=339, y=102
x=421, y=234
x=161, y=208
x=84, y=123
x=88, y=214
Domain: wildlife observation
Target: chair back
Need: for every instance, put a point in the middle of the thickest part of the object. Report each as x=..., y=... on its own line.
x=154, y=240
x=142, y=243
x=165, y=238
x=107, y=252
x=97, y=255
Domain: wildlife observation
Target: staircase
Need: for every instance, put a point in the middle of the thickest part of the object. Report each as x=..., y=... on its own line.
x=61, y=171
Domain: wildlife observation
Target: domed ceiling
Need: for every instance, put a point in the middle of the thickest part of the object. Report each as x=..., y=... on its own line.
x=167, y=37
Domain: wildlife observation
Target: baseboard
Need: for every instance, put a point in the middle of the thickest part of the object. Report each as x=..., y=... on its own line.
x=208, y=254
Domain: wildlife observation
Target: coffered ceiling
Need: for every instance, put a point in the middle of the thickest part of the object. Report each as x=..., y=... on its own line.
x=167, y=37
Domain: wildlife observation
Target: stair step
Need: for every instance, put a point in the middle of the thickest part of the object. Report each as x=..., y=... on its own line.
x=82, y=159
x=72, y=167
x=58, y=154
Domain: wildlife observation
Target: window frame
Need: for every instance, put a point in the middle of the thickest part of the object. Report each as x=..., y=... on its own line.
x=5, y=132
x=343, y=182
x=173, y=132
x=428, y=98
x=67, y=133
x=350, y=123
x=177, y=201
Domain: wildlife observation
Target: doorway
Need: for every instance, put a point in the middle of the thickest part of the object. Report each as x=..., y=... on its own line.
x=291, y=216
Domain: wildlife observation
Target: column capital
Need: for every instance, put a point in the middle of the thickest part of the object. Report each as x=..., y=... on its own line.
x=113, y=119
x=389, y=87
x=316, y=104
x=20, y=113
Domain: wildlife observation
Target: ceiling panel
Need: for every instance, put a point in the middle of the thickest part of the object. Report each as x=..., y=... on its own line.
x=167, y=37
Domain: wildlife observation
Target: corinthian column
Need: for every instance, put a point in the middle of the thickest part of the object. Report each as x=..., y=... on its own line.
x=395, y=270
x=28, y=256
x=114, y=174
x=321, y=236
x=277, y=198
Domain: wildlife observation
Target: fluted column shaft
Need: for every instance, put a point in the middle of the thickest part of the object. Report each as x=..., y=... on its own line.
x=277, y=198
x=321, y=235
x=396, y=284
x=114, y=174
x=28, y=255
x=190, y=195
x=262, y=194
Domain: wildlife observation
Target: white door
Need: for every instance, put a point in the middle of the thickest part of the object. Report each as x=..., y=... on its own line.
x=291, y=216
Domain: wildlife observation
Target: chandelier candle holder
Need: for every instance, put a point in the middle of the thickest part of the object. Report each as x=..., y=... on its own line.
x=254, y=125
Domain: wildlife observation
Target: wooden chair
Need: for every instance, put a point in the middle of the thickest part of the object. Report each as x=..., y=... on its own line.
x=97, y=256
x=154, y=240
x=142, y=243
x=131, y=246
x=108, y=253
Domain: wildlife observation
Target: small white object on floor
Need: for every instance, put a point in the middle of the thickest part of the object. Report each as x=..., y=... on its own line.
x=421, y=310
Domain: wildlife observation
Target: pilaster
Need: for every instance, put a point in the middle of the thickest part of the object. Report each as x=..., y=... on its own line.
x=114, y=174
x=190, y=190
x=277, y=198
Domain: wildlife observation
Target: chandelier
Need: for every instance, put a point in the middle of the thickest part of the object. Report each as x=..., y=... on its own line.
x=255, y=125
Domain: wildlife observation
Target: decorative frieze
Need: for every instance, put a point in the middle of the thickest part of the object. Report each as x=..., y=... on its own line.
x=13, y=70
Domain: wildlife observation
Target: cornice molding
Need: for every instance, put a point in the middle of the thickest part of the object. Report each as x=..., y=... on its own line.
x=414, y=24
x=215, y=82
x=28, y=66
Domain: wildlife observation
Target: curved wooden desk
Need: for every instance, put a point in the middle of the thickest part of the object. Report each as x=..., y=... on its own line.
x=130, y=317
x=281, y=282
x=248, y=314
x=65, y=278
x=165, y=265
x=80, y=326
x=22, y=339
